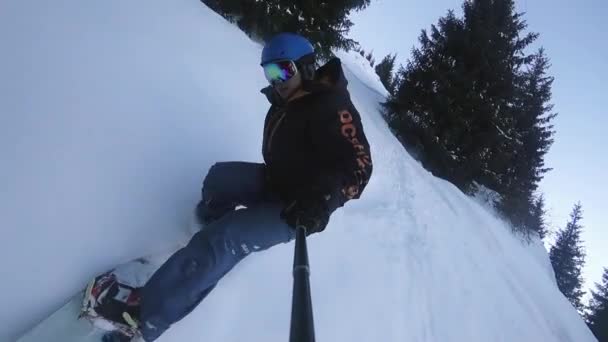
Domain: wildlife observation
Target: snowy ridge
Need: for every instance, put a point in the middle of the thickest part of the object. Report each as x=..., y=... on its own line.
x=113, y=111
x=360, y=68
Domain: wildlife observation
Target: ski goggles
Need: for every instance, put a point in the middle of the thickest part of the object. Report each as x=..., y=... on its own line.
x=279, y=72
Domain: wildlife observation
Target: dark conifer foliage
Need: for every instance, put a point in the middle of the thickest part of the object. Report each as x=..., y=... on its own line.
x=474, y=107
x=324, y=22
x=597, y=317
x=537, y=219
x=386, y=71
x=568, y=258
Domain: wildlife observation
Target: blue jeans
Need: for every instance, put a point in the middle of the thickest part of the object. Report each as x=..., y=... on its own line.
x=188, y=276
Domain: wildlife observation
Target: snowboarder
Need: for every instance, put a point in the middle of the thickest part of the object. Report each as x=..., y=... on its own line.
x=316, y=158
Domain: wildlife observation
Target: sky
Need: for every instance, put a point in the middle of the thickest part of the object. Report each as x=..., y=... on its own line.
x=573, y=35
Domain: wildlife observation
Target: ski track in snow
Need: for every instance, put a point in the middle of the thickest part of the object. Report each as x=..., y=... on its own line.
x=113, y=111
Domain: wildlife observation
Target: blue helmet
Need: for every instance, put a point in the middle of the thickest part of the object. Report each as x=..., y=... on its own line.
x=286, y=46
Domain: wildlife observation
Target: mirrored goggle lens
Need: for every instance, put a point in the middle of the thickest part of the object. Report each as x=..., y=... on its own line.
x=280, y=71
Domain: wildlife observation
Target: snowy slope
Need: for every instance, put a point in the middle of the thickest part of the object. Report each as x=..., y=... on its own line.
x=112, y=111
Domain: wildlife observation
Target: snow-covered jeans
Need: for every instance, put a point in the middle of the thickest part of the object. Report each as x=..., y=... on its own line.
x=184, y=280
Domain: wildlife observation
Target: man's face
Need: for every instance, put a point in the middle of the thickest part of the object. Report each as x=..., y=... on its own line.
x=284, y=77
x=289, y=87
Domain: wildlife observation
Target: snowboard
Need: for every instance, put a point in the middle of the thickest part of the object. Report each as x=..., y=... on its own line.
x=72, y=323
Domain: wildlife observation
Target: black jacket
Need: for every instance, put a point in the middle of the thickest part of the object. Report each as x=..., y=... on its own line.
x=314, y=146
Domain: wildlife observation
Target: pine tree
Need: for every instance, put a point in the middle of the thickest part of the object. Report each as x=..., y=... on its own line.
x=537, y=223
x=212, y=4
x=324, y=23
x=425, y=110
x=597, y=318
x=568, y=258
x=532, y=137
x=385, y=69
x=361, y=51
x=475, y=106
x=370, y=58
x=533, y=121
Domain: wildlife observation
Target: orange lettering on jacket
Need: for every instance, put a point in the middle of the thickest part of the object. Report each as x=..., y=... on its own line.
x=349, y=131
x=345, y=117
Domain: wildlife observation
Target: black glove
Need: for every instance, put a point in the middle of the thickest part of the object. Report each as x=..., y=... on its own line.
x=310, y=213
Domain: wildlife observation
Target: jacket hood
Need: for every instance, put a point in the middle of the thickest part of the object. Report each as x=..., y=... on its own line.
x=327, y=77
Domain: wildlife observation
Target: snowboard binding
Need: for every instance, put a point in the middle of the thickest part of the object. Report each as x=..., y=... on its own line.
x=112, y=306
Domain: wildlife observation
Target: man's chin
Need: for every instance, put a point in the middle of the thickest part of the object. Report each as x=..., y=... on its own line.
x=285, y=93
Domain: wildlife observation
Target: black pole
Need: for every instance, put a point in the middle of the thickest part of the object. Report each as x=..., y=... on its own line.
x=302, y=325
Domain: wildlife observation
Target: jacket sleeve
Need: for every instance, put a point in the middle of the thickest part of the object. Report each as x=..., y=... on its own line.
x=342, y=149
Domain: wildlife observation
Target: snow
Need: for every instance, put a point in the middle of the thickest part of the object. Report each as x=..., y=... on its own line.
x=359, y=66
x=485, y=196
x=505, y=135
x=113, y=111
